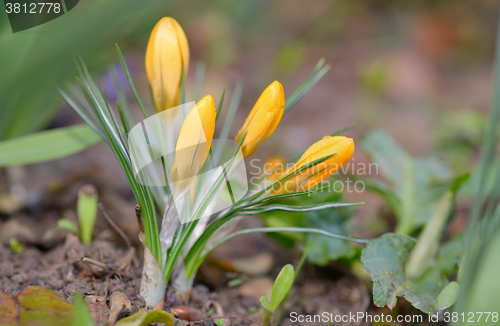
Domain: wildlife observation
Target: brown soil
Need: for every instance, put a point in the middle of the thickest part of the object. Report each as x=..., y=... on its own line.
x=61, y=269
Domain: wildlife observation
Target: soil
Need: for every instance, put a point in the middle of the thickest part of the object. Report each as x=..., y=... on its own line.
x=62, y=270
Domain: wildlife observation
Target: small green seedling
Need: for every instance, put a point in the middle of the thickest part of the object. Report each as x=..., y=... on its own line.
x=16, y=246
x=86, y=209
x=66, y=224
x=235, y=282
x=219, y=322
x=281, y=287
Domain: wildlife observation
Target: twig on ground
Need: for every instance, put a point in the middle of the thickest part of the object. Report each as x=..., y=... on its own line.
x=87, y=261
x=114, y=225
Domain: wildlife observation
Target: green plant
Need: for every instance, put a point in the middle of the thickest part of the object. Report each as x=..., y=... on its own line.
x=323, y=249
x=477, y=277
x=15, y=246
x=86, y=208
x=193, y=240
x=281, y=288
x=413, y=186
x=401, y=266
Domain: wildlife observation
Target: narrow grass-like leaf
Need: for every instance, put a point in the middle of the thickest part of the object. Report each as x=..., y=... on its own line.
x=284, y=229
x=231, y=111
x=288, y=208
x=198, y=80
x=219, y=107
x=319, y=71
x=129, y=78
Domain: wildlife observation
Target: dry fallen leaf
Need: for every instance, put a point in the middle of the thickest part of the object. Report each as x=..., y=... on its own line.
x=118, y=302
x=34, y=305
x=257, y=265
x=257, y=287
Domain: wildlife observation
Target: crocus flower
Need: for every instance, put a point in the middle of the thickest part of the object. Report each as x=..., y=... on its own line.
x=273, y=167
x=263, y=119
x=167, y=60
x=194, y=141
x=341, y=146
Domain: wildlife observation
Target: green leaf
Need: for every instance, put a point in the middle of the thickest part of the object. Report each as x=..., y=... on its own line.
x=47, y=145
x=265, y=304
x=15, y=246
x=35, y=305
x=384, y=258
x=288, y=208
x=87, y=212
x=428, y=241
x=448, y=296
x=282, y=286
x=143, y=318
x=414, y=185
x=68, y=225
x=220, y=321
x=82, y=315
x=322, y=248
x=318, y=72
x=449, y=254
x=422, y=255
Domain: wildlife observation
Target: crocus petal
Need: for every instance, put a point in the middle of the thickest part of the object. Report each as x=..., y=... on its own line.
x=341, y=146
x=194, y=141
x=263, y=119
x=167, y=59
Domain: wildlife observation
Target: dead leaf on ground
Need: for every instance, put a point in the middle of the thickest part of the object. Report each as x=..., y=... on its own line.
x=118, y=302
x=257, y=265
x=257, y=287
x=34, y=305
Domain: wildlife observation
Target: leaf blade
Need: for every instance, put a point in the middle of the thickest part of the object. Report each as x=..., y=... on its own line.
x=47, y=145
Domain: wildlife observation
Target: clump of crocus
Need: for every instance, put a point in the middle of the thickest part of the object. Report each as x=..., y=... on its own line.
x=263, y=119
x=195, y=139
x=167, y=62
x=184, y=240
x=340, y=149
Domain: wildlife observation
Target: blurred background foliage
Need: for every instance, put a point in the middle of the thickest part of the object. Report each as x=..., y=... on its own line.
x=421, y=71
x=429, y=54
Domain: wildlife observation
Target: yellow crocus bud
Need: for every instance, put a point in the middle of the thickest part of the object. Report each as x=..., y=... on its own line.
x=263, y=119
x=167, y=59
x=341, y=146
x=193, y=144
x=273, y=167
